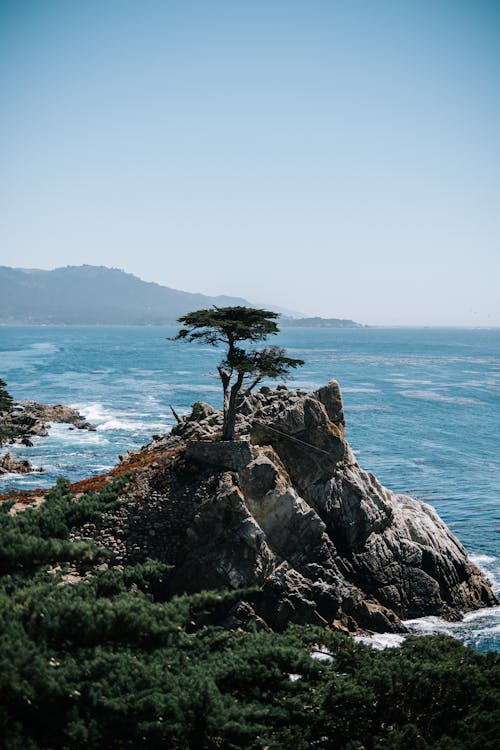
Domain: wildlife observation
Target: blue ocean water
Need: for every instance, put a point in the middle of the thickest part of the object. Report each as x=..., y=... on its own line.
x=422, y=409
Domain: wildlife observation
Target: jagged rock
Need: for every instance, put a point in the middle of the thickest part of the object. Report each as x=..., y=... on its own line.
x=29, y=419
x=54, y=413
x=287, y=508
x=11, y=465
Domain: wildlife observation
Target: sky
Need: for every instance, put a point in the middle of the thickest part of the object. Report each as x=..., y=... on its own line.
x=336, y=158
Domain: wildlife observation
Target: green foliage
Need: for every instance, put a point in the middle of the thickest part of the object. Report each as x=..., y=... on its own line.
x=112, y=661
x=36, y=536
x=240, y=369
x=219, y=325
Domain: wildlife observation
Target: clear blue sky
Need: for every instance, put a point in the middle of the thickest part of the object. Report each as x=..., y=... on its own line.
x=339, y=158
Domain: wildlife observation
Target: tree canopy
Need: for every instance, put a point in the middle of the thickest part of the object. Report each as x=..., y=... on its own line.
x=241, y=369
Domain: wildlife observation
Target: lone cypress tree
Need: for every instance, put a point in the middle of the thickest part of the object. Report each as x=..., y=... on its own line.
x=240, y=370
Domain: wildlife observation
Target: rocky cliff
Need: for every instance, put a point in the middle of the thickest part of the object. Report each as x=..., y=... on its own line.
x=286, y=508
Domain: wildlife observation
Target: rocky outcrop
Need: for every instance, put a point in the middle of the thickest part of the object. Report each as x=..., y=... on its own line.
x=11, y=465
x=286, y=507
x=29, y=419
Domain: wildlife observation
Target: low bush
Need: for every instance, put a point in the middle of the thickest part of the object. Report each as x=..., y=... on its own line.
x=112, y=662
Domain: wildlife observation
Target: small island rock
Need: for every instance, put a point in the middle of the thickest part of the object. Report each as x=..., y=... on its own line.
x=28, y=419
x=11, y=465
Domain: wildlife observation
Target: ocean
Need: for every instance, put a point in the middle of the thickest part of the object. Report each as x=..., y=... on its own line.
x=422, y=409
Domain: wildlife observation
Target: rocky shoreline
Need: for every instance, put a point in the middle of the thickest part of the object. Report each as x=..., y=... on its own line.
x=11, y=465
x=285, y=507
x=29, y=419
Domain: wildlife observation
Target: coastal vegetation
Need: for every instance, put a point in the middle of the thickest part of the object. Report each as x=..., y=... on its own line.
x=94, y=655
x=240, y=370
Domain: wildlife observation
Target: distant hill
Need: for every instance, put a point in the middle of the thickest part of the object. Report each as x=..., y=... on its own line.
x=97, y=295
x=94, y=295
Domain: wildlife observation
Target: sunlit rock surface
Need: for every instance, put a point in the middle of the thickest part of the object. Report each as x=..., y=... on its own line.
x=286, y=507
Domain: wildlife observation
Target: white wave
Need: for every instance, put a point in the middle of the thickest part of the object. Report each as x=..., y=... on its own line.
x=10, y=475
x=140, y=371
x=151, y=400
x=428, y=625
x=367, y=407
x=106, y=420
x=433, y=396
x=381, y=641
x=489, y=617
x=481, y=614
x=400, y=380
x=296, y=350
x=94, y=412
x=44, y=346
x=70, y=434
x=130, y=425
x=475, y=628
x=489, y=383
x=116, y=424
x=360, y=390
x=478, y=628
x=481, y=559
x=490, y=567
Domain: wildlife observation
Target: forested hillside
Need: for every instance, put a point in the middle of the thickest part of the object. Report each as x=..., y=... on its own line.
x=93, y=295
x=95, y=656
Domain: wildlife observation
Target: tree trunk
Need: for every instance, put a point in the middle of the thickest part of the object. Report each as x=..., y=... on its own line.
x=229, y=422
x=230, y=410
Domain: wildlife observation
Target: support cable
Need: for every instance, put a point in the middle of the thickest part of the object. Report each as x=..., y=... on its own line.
x=290, y=437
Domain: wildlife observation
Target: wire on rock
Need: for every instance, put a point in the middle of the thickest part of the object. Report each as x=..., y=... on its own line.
x=290, y=437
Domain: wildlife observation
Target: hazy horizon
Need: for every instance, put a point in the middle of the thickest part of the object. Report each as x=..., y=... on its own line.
x=337, y=159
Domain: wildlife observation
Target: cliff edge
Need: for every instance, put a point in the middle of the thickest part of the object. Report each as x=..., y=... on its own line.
x=285, y=507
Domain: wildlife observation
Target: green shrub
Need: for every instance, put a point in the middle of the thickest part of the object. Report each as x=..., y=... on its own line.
x=112, y=661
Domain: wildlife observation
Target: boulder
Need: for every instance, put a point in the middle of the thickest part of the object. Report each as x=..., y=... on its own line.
x=11, y=465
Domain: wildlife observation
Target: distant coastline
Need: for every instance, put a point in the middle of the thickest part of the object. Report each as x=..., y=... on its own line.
x=97, y=295
x=283, y=322
x=320, y=323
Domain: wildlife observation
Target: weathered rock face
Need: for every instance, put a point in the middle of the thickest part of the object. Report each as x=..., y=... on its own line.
x=11, y=465
x=287, y=508
x=30, y=419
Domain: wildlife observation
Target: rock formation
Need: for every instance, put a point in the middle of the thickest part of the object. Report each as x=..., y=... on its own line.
x=11, y=465
x=286, y=508
x=29, y=419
